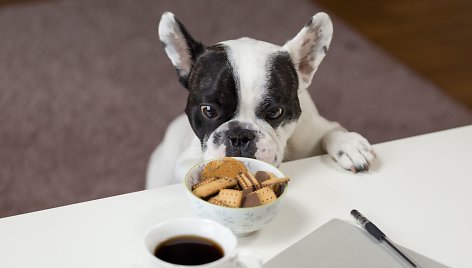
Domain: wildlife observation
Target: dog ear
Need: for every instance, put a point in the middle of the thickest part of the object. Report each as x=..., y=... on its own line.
x=179, y=45
x=310, y=45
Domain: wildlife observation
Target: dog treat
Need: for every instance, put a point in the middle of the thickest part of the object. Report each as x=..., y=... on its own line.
x=251, y=200
x=246, y=192
x=228, y=183
x=242, y=183
x=245, y=181
x=275, y=184
x=214, y=187
x=266, y=195
x=273, y=181
x=262, y=176
x=203, y=182
x=227, y=167
x=231, y=198
x=215, y=201
x=253, y=180
x=277, y=188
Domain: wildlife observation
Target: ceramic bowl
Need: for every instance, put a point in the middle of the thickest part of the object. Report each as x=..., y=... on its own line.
x=242, y=221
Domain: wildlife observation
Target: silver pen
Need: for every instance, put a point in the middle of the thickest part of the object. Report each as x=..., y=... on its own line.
x=379, y=235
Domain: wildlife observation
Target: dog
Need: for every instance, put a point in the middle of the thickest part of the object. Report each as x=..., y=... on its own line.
x=249, y=98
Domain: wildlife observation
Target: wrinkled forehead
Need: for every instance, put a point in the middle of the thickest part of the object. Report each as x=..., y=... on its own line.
x=250, y=59
x=257, y=66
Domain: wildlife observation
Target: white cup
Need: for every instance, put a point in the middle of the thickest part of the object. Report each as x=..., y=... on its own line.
x=203, y=228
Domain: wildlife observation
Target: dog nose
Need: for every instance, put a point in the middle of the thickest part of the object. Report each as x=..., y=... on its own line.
x=240, y=138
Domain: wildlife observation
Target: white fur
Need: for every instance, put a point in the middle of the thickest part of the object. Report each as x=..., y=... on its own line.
x=311, y=135
x=169, y=33
x=248, y=58
x=311, y=43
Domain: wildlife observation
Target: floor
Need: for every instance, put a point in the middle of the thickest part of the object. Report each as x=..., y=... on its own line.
x=433, y=37
x=12, y=2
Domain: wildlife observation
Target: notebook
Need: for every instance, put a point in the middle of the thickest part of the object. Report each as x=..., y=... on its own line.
x=342, y=244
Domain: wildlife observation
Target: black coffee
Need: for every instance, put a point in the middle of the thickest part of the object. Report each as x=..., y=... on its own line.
x=189, y=250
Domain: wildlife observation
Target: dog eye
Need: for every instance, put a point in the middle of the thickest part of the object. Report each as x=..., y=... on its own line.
x=274, y=113
x=208, y=111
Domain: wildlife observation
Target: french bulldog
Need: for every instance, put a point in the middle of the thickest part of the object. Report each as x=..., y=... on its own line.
x=249, y=98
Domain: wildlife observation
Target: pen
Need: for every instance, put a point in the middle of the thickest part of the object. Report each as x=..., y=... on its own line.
x=379, y=235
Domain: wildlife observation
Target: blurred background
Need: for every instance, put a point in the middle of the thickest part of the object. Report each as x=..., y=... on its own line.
x=86, y=90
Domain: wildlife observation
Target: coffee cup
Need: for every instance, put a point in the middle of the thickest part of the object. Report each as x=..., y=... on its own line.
x=195, y=242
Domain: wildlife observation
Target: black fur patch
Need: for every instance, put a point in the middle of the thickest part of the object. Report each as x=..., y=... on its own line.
x=309, y=22
x=325, y=49
x=282, y=91
x=195, y=48
x=211, y=82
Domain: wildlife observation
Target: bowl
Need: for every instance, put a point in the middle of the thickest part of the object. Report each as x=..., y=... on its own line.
x=242, y=221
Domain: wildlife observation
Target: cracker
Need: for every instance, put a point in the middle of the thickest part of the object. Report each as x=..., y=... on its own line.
x=273, y=181
x=231, y=198
x=215, y=201
x=266, y=195
x=203, y=182
x=244, y=182
x=214, y=187
x=226, y=167
x=253, y=180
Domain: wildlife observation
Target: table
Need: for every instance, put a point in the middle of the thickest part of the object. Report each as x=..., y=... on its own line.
x=419, y=193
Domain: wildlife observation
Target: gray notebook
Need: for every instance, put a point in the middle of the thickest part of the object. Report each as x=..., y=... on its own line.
x=342, y=244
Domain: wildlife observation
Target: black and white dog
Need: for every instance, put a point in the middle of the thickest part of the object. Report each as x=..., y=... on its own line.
x=249, y=98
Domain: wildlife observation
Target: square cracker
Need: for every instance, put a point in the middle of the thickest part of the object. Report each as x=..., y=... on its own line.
x=231, y=198
x=266, y=195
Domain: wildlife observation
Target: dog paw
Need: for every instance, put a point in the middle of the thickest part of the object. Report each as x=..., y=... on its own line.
x=352, y=151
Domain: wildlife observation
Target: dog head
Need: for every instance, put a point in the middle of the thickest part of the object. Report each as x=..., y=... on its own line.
x=243, y=94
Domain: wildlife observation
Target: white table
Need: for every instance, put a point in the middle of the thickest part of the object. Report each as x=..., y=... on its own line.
x=419, y=193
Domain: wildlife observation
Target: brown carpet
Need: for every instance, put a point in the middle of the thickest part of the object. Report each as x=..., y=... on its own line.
x=86, y=91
